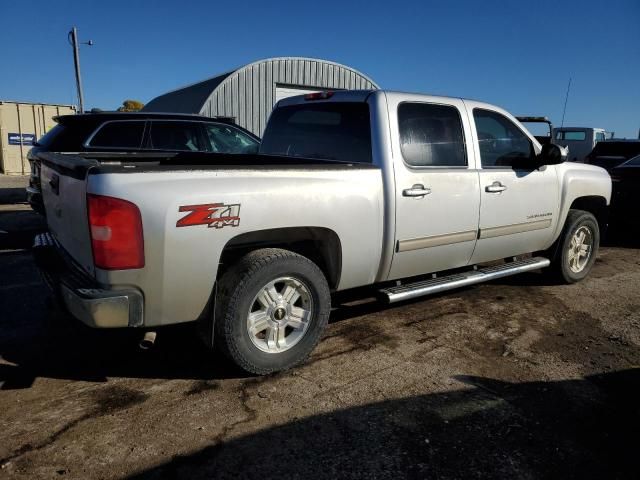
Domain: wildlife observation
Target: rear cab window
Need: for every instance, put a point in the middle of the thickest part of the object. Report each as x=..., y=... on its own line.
x=125, y=134
x=331, y=131
x=571, y=135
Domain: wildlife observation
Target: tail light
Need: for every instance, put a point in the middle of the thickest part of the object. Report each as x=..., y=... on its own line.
x=116, y=233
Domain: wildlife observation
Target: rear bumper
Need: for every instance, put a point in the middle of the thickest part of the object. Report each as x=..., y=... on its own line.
x=34, y=197
x=93, y=304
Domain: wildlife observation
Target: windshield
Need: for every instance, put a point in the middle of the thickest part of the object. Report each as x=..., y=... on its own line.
x=333, y=131
x=224, y=138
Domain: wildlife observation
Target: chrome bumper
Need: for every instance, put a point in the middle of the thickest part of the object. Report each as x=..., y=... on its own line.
x=92, y=304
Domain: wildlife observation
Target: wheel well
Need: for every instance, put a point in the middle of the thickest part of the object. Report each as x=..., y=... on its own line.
x=595, y=205
x=320, y=245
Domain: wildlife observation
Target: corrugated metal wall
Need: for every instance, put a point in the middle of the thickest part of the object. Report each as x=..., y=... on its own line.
x=248, y=94
x=19, y=121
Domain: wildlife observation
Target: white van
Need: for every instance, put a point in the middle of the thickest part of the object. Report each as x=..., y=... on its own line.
x=579, y=140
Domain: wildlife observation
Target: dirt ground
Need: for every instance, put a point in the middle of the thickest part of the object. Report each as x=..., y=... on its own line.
x=512, y=379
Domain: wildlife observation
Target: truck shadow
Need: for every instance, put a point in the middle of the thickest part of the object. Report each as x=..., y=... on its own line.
x=18, y=227
x=36, y=343
x=12, y=195
x=33, y=344
x=581, y=428
x=624, y=235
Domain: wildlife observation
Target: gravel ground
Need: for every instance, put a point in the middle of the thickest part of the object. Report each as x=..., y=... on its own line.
x=512, y=379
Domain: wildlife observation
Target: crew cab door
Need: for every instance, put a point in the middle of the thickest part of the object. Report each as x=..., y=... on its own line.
x=436, y=186
x=519, y=204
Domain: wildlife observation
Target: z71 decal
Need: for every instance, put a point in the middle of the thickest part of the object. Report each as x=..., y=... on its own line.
x=216, y=215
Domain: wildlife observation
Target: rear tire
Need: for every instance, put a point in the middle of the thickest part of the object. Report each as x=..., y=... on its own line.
x=272, y=308
x=574, y=253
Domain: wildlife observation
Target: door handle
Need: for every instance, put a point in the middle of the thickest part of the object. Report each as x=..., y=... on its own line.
x=495, y=187
x=418, y=190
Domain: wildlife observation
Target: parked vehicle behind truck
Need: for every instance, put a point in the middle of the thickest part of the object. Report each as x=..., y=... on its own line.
x=612, y=153
x=350, y=189
x=544, y=134
x=136, y=133
x=579, y=140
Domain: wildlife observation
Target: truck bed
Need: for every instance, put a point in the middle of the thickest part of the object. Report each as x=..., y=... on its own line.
x=269, y=192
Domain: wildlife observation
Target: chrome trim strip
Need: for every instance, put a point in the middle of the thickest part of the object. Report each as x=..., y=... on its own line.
x=435, y=241
x=515, y=228
x=429, y=287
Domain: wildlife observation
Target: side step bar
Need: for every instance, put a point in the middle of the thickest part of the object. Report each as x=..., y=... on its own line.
x=457, y=280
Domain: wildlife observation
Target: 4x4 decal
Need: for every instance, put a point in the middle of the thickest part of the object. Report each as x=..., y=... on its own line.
x=216, y=215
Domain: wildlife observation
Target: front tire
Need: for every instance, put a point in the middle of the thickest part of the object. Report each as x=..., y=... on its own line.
x=272, y=308
x=577, y=247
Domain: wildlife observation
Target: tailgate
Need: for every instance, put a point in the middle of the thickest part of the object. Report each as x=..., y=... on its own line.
x=64, y=192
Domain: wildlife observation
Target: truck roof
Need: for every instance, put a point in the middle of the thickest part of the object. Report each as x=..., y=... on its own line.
x=362, y=95
x=357, y=96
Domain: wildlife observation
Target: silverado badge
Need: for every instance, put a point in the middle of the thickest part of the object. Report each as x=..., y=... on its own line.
x=216, y=215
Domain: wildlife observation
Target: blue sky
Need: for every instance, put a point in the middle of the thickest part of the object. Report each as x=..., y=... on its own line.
x=518, y=55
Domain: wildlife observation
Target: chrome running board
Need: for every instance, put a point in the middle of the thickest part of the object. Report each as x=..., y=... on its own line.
x=457, y=280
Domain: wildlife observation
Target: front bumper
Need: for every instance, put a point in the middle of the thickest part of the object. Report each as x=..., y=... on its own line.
x=93, y=304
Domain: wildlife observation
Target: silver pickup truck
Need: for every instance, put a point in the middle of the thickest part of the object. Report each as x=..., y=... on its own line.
x=409, y=194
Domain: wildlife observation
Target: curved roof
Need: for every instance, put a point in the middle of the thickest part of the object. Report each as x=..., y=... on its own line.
x=248, y=93
x=187, y=99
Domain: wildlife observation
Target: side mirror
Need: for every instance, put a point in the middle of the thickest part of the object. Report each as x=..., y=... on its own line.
x=553, y=154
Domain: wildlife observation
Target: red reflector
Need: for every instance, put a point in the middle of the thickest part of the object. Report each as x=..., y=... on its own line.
x=116, y=233
x=318, y=95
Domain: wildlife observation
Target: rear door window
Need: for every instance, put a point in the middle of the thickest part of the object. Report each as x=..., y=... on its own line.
x=333, y=131
x=118, y=134
x=176, y=135
x=431, y=135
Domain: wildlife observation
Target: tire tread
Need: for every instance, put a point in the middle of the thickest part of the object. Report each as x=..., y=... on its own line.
x=232, y=287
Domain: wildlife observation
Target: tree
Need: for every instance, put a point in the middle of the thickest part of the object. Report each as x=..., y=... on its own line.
x=131, y=106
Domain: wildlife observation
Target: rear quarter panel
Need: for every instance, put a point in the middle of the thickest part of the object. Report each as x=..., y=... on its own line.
x=181, y=263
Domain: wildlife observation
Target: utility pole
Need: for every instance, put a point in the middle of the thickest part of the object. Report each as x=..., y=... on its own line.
x=73, y=39
x=566, y=98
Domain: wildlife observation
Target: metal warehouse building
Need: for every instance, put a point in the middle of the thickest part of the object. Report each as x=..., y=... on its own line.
x=249, y=93
x=21, y=123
